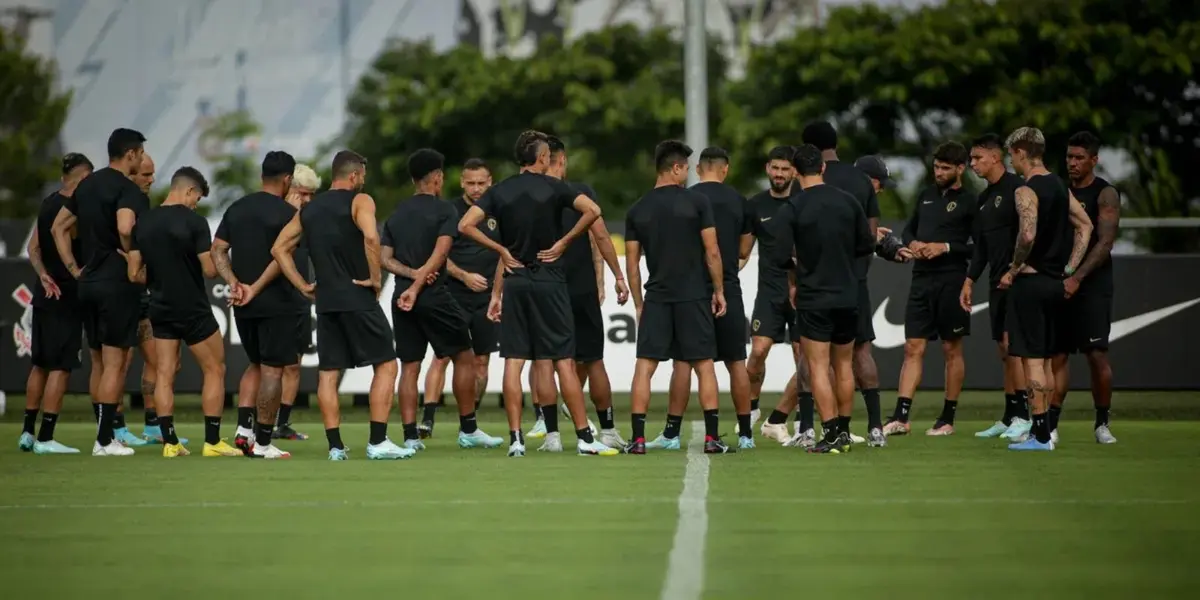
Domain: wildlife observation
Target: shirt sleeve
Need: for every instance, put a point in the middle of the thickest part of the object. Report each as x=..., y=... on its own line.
x=864, y=243
x=566, y=196
x=910, y=229
x=488, y=203
x=979, y=254
x=223, y=227
x=631, y=234
x=70, y=204
x=705, y=211
x=385, y=237
x=747, y=216
x=449, y=225
x=201, y=234
x=872, y=207
x=133, y=199
x=784, y=233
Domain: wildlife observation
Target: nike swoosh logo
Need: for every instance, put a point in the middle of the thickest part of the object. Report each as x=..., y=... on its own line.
x=891, y=335
x=1130, y=325
x=765, y=219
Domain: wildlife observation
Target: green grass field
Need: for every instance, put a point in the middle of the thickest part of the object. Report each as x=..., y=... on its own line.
x=950, y=517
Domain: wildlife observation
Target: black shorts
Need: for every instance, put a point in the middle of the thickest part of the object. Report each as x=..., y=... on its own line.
x=144, y=306
x=435, y=320
x=866, y=330
x=111, y=310
x=682, y=331
x=536, y=321
x=933, y=309
x=1087, y=318
x=731, y=331
x=589, y=327
x=352, y=339
x=190, y=330
x=1035, y=316
x=834, y=325
x=57, y=338
x=273, y=341
x=998, y=306
x=304, y=335
x=773, y=318
x=485, y=333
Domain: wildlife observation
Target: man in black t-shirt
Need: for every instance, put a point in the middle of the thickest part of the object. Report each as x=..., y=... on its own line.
x=171, y=253
x=530, y=288
x=827, y=232
x=105, y=206
x=416, y=240
x=938, y=234
x=995, y=237
x=471, y=268
x=1045, y=253
x=676, y=228
x=268, y=310
x=57, y=326
x=352, y=331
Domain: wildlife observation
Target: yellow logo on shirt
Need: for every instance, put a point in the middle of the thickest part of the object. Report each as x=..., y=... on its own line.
x=951, y=206
x=491, y=223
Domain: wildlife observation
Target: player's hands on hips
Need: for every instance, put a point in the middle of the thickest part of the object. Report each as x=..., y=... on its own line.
x=964, y=296
x=1070, y=286
x=622, y=289
x=493, y=311
x=51, y=286
x=509, y=261
x=718, y=304
x=475, y=282
x=1005, y=280
x=374, y=284
x=406, y=300
x=552, y=253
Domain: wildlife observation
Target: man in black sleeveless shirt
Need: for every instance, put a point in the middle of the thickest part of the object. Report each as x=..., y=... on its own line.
x=1045, y=253
x=57, y=324
x=1091, y=286
x=352, y=331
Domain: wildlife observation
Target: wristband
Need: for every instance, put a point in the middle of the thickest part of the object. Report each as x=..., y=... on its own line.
x=1070, y=271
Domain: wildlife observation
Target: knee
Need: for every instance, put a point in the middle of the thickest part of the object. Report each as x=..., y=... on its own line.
x=758, y=355
x=216, y=370
x=914, y=349
x=952, y=349
x=1097, y=360
x=291, y=372
x=387, y=369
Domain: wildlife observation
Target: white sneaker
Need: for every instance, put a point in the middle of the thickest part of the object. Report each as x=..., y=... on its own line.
x=388, y=451
x=553, y=443
x=1103, y=436
x=595, y=449
x=754, y=416
x=53, y=447
x=114, y=448
x=269, y=452
x=1054, y=437
x=244, y=432
x=611, y=438
x=775, y=431
x=539, y=429
x=857, y=439
x=516, y=450
x=414, y=445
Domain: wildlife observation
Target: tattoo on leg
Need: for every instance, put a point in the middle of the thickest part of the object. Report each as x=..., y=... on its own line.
x=1037, y=386
x=148, y=389
x=145, y=332
x=756, y=378
x=269, y=392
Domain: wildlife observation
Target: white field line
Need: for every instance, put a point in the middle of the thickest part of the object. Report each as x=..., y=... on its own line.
x=685, y=565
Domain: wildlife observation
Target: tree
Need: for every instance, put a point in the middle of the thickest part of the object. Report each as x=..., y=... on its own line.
x=32, y=114
x=236, y=171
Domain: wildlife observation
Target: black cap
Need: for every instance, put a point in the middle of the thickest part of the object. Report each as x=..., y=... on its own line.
x=875, y=168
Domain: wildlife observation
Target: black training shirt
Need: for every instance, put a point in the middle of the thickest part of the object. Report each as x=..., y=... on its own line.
x=734, y=218
x=251, y=226
x=472, y=257
x=1055, y=236
x=1089, y=196
x=577, y=260
x=830, y=233
x=851, y=179
x=50, y=258
x=772, y=280
x=995, y=229
x=529, y=207
x=943, y=217
x=335, y=247
x=667, y=222
x=171, y=239
x=413, y=231
x=95, y=205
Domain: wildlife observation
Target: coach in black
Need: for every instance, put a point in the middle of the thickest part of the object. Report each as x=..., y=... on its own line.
x=57, y=324
x=829, y=233
x=352, y=331
x=938, y=234
x=676, y=228
x=416, y=241
x=268, y=309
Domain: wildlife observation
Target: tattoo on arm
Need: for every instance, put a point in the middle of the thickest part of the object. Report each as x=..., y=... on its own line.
x=220, y=258
x=1107, y=224
x=35, y=255
x=1027, y=204
x=391, y=265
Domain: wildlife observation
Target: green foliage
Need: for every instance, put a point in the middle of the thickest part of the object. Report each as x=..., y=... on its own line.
x=31, y=115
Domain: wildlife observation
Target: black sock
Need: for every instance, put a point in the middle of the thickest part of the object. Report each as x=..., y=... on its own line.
x=674, y=426
x=31, y=415
x=606, y=418
x=1101, y=416
x=245, y=417
x=104, y=431
x=334, y=437
x=639, y=426
x=49, y=420
x=285, y=415
x=167, y=423
x=410, y=432
x=903, y=408
x=831, y=429
x=119, y=421
x=754, y=404
x=379, y=432
x=843, y=425
x=949, y=407
x=1022, y=405
x=1010, y=408
x=151, y=419
x=550, y=415
x=467, y=424
x=262, y=434
x=515, y=437
x=96, y=411
x=744, y=428
x=429, y=413
x=1041, y=429
x=585, y=434
x=212, y=430
x=777, y=418
x=1052, y=417
x=874, y=412
x=805, y=411
x=711, y=422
